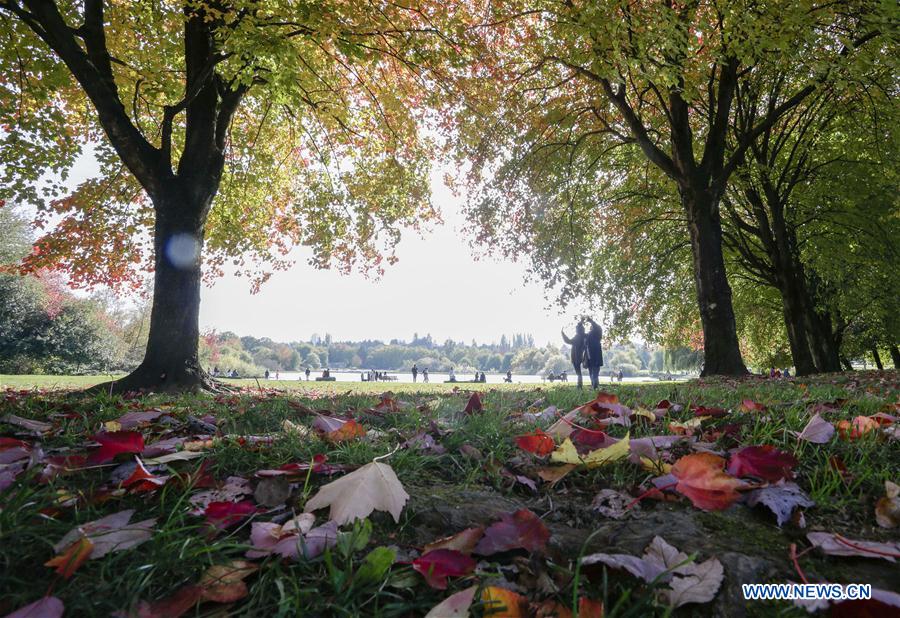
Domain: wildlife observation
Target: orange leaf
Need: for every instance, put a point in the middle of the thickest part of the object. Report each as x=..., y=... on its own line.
x=588, y=608
x=538, y=443
x=464, y=541
x=855, y=429
x=702, y=479
x=348, y=431
x=75, y=555
x=503, y=603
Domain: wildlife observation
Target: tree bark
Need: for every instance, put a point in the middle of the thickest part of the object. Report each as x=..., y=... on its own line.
x=721, y=352
x=895, y=355
x=877, y=358
x=171, y=362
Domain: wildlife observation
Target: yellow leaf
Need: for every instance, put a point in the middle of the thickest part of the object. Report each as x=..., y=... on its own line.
x=650, y=416
x=566, y=453
x=503, y=603
x=111, y=426
x=657, y=466
x=688, y=426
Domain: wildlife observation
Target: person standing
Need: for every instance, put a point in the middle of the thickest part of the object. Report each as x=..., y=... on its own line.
x=267, y=374
x=593, y=351
x=415, y=372
x=307, y=374
x=425, y=375
x=509, y=376
x=577, y=343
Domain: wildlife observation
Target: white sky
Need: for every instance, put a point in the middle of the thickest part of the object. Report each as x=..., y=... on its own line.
x=436, y=287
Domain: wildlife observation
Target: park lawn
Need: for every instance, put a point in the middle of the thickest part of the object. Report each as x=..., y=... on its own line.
x=478, y=474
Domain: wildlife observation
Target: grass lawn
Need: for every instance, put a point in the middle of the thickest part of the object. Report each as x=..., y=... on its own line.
x=460, y=471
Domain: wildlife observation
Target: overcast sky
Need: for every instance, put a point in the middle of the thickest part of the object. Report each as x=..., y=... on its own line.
x=437, y=287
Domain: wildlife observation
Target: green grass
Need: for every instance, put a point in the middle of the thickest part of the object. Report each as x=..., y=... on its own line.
x=32, y=519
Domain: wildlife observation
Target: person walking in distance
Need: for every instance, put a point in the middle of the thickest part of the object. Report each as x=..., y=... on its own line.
x=593, y=353
x=577, y=343
x=415, y=371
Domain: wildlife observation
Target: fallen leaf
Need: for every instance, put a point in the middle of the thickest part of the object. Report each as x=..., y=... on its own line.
x=887, y=509
x=817, y=430
x=702, y=479
x=351, y=430
x=857, y=428
x=567, y=453
x=474, y=404
x=115, y=443
x=697, y=583
x=455, y=606
x=73, y=557
x=748, y=405
x=688, y=427
x=46, y=607
x=765, y=462
x=354, y=496
x=110, y=533
x=519, y=530
x=272, y=491
x=221, y=515
x=30, y=425
x=709, y=412
x=590, y=439
x=837, y=545
x=178, y=456
x=554, y=474
x=538, y=443
x=464, y=541
x=224, y=583
x=503, y=603
x=611, y=503
x=142, y=481
x=172, y=606
x=439, y=564
x=234, y=489
x=135, y=419
x=781, y=499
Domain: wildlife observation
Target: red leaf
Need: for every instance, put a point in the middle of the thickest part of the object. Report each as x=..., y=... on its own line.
x=765, y=462
x=702, y=479
x=748, y=405
x=520, y=530
x=538, y=443
x=224, y=514
x=115, y=443
x=439, y=564
x=665, y=404
x=141, y=480
x=713, y=412
x=589, y=439
x=474, y=404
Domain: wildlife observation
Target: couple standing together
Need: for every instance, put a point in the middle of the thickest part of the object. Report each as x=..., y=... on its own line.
x=586, y=350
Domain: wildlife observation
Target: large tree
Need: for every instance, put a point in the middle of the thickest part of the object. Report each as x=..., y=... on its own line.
x=558, y=82
x=240, y=126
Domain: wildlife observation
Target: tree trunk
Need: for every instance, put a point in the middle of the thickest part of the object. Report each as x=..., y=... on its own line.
x=895, y=355
x=877, y=358
x=846, y=363
x=171, y=362
x=721, y=352
x=801, y=351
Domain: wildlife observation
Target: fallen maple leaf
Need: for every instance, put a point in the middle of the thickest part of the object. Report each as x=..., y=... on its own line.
x=837, y=545
x=688, y=581
x=503, y=603
x=858, y=427
x=591, y=439
x=709, y=412
x=222, y=515
x=356, y=495
x=887, y=509
x=136, y=419
x=142, y=481
x=748, y=405
x=27, y=423
x=46, y=607
x=538, y=443
x=224, y=583
x=567, y=453
x=765, y=462
x=781, y=498
x=455, y=606
x=702, y=479
x=295, y=539
x=115, y=443
x=817, y=430
x=350, y=430
x=439, y=564
x=554, y=474
x=474, y=404
x=519, y=530
x=464, y=541
x=73, y=557
x=110, y=533
x=613, y=504
x=688, y=427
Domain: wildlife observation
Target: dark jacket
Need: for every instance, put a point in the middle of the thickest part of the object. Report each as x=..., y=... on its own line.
x=593, y=347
